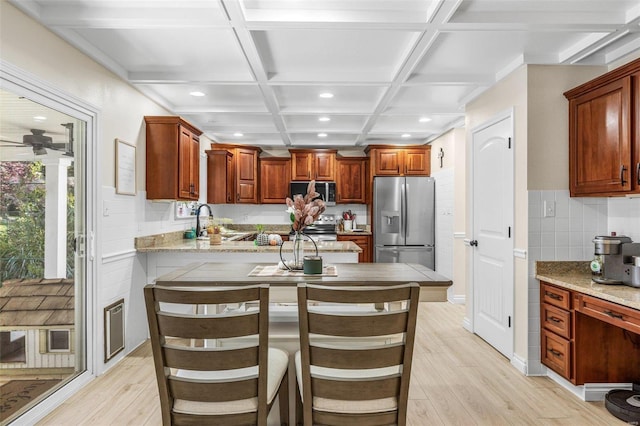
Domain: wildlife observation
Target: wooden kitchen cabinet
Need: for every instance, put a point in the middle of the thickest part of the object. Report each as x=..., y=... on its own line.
x=604, y=142
x=275, y=176
x=244, y=169
x=387, y=160
x=556, y=337
x=586, y=339
x=247, y=175
x=364, y=242
x=220, y=176
x=172, y=159
x=309, y=164
x=351, y=180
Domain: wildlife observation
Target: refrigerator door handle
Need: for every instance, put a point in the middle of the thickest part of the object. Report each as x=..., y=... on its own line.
x=403, y=213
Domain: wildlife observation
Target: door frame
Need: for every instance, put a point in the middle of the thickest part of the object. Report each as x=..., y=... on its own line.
x=470, y=312
x=21, y=82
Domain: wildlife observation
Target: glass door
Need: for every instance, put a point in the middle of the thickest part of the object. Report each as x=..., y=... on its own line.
x=42, y=262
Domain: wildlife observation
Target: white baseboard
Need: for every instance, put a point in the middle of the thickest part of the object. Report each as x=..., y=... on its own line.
x=589, y=392
x=520, y=364
x=466, y=324
x=457, y=299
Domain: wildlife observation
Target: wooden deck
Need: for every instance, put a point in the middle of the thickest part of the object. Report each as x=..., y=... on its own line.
x=457, y=379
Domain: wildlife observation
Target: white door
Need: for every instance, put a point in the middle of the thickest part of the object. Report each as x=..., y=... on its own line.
x=493, y=199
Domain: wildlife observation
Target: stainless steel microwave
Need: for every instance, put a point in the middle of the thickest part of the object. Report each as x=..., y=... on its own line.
x=327, y=190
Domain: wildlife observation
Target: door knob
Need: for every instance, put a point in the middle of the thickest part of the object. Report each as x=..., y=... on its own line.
x=473, y=243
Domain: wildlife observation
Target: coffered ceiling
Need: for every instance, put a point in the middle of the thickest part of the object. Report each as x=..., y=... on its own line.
x=399, y=71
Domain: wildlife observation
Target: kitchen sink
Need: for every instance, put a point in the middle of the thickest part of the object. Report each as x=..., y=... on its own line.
x=238, y=236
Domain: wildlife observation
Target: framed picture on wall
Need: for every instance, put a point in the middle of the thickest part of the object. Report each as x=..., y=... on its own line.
x=125, y=168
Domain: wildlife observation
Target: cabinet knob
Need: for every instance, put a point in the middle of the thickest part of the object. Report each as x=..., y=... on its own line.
x=622, y=170
x=638, y=172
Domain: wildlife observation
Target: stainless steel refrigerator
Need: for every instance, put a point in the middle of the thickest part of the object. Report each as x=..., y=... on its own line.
x=404, y=220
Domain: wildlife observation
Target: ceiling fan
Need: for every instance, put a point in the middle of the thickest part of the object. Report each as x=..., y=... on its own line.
x=39, y=142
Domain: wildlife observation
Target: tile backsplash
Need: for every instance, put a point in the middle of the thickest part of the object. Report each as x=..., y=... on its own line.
x=624, y=217
x=568, y=235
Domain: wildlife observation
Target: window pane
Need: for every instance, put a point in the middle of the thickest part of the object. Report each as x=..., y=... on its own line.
x=58, y=340
x=12, y=346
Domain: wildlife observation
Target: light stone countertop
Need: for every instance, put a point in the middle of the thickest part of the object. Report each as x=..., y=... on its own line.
x=194, y=246
x=576, y=276
x=212, y=273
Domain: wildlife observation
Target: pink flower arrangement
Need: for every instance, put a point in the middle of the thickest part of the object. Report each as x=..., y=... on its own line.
x=305, y=210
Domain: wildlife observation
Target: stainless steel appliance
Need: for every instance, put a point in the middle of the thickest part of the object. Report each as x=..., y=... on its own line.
x=619, y=264
x=327, y=190
x=323, y=229
x=404, y=220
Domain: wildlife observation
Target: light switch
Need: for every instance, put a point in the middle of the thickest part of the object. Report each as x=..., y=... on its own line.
x=105, y=208
x=549, y=208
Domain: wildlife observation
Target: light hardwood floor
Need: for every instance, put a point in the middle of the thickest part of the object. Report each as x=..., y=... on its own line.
x=457, y=379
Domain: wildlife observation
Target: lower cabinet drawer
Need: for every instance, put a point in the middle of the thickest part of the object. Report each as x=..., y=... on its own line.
x=556, y=353
x=609, y=312
x=556, y=320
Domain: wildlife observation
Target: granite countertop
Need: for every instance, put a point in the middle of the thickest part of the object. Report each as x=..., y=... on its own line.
x=576, y=276
x=198, y=246
x=351, y=233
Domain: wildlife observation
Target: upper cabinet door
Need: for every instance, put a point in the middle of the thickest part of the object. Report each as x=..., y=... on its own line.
x=185, y=185
x=275, y=176
x=325, y=166
x=301, y=165
x=388, y=162
x=599, y=140
x=351, y=180
x=417, y=161
x=195, y=167
x=246, y=175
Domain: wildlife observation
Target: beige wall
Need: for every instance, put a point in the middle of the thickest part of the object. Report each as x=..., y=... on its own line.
x=453, y=143
x=31, y=47
x=548, y=122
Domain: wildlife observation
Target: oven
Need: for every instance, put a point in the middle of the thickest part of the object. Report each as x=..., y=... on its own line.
x=323, y=229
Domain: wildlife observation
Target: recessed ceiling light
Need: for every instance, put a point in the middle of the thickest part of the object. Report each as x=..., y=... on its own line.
x=424, y=119
x=406, y=135
x=238, y=134
x=324, y=119
x=322, y=135
x=198, y=94
x=326, y=95
x=39, y=118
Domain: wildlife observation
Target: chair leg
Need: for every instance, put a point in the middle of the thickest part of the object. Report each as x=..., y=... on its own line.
x=299, y=410
x=283, y=400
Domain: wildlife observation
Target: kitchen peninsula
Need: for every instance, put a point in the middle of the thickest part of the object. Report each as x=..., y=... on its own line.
x=167, y=252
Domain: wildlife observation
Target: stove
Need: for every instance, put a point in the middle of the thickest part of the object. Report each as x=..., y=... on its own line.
x=323, y=229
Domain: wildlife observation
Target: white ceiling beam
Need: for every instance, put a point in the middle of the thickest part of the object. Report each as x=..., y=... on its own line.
x=606, y=41
x=585, y=43
x=236, y=16
x=222, y=109
x=189, y=76
x=623, y=51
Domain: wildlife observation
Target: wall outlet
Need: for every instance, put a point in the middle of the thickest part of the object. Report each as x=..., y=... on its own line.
x=549, y=208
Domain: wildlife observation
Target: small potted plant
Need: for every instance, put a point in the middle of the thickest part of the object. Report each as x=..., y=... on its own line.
x=262, y=239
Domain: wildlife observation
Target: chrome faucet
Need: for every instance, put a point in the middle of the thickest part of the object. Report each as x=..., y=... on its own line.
x=198, y=232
